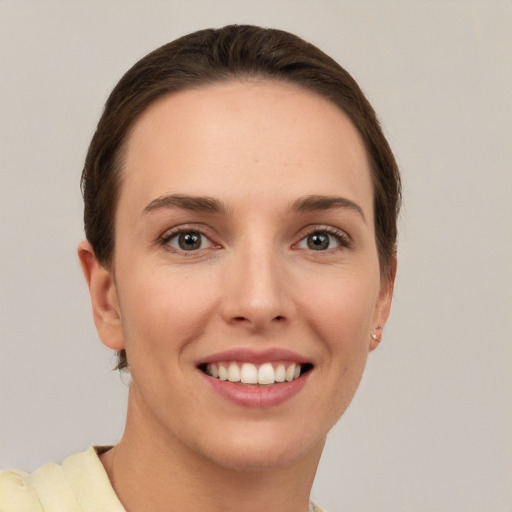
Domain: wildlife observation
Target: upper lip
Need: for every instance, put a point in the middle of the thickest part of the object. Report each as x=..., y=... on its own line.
x=255, y=356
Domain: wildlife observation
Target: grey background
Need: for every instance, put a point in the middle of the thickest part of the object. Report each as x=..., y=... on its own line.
x=430, y=428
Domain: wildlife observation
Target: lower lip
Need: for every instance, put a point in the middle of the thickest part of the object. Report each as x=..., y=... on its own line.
x=257, y=397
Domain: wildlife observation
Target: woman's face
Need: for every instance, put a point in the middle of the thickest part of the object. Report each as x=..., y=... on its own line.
x=244, y=245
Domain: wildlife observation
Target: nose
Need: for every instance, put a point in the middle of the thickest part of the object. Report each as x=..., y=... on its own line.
x=256, y=293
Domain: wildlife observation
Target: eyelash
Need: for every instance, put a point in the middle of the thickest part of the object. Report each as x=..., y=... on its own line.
x=343, y=239
x=340, y=236
x=166, y=238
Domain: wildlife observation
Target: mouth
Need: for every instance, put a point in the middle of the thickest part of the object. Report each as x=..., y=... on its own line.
x=249, y=374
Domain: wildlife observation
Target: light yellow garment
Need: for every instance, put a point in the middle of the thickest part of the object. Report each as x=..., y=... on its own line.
x=80, y=484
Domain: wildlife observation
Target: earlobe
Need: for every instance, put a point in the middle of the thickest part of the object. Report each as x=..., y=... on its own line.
x=383, y=306
x=103, y=293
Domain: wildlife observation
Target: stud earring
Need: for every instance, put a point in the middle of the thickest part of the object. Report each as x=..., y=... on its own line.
x=374, y=336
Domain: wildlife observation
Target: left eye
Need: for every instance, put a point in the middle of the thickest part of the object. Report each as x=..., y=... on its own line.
x=319, y=241
x=188, y=241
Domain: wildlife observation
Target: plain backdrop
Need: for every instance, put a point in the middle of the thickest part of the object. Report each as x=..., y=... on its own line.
x=430, y=427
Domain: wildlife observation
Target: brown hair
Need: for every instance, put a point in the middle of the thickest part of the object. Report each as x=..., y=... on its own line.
x=214, y=55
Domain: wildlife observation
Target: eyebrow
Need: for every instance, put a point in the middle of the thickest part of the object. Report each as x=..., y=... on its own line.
x=207, y=204
x=192, y=203
x=318, y=203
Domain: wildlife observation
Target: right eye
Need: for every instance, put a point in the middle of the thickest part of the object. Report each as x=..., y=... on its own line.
x=319, y=241
x=188, y=241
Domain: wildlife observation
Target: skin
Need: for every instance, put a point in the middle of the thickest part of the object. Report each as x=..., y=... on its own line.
x=257, y=147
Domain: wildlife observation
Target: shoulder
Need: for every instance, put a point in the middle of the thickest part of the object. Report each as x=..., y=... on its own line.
x=79, y=484
x=25, y=492
x=313, y=508
x=15, y=494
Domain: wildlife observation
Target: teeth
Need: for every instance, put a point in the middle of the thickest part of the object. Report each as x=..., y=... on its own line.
x=248, y=373
x=290, y=372
x=280, y=374
x=266, y=374
x=223, y=373
x=233, y=373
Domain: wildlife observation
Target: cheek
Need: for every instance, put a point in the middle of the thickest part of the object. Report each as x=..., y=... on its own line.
x=340, y=309
x=162, y=311
x=339, y=316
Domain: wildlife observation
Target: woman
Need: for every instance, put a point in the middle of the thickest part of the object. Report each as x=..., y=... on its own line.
x=240, y=214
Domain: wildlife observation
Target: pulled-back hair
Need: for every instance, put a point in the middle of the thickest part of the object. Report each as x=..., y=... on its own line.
x=215, y=55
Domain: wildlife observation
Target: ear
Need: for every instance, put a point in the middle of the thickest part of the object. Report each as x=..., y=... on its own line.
x=103, y=292
x=383, y=307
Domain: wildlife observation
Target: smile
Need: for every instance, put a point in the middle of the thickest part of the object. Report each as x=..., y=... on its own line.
x=257, y=379
x=265, y=374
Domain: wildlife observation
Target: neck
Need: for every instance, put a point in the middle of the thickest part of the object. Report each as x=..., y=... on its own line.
x=152, y=470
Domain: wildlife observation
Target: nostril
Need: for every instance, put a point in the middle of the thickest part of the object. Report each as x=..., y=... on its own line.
x=256, y=320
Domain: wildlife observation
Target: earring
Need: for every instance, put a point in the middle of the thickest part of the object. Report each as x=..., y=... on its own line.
x=374, y=336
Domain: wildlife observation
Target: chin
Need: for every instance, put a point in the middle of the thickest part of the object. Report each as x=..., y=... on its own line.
x=260, y=452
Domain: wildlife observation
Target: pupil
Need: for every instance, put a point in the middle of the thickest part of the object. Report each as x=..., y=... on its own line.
x=189, y=241
x=318, y=242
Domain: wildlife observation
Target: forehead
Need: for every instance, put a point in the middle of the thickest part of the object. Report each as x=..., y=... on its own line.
x=239, y=137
